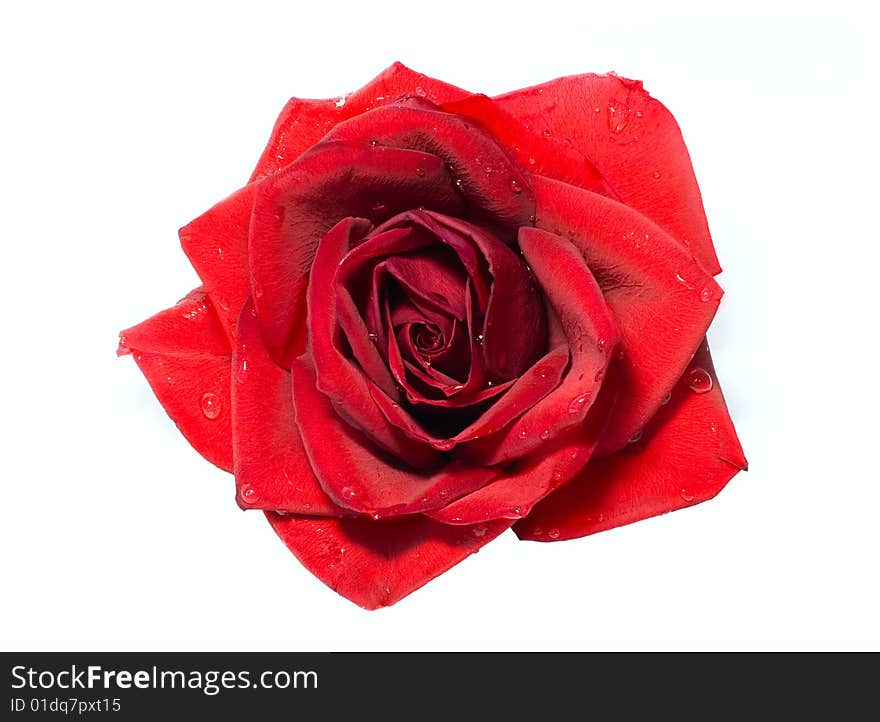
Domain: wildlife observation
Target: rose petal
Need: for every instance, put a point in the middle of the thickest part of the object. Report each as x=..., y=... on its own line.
x=216, y=245
x=508, y=349
x=542, y=154
x=686, y=455
x=662, y=300
x=484, y=173
x=272, y=471
x=296, y=206
x=634, y=143
x=513, y=494
x=338, y=377
x=184, y=354
x=592, y=339
x=356, y=474
x=375, y=564
x=303, y=122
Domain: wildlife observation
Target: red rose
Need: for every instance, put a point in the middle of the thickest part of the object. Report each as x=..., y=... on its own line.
x=432, y=315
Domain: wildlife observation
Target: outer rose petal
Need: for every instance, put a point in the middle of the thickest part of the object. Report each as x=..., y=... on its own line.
x=662, y=300
x=356, y=474
x=185, y=356
x=302, y=123
x=375, y=564
x=272, y=470
x=686, y=455
x=484, y=172
x=216, y=245
x=632, y=140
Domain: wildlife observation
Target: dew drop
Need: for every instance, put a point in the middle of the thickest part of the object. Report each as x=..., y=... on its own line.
x=636, y=437
x=242, y=370
x=598, y=376
x=686, y=496
x=665, y=399
x=601, y=344
x=443, y=493
x=459, y=183
x=545, y=434
x=557, y=475
x=553, y=533
x=420, y=172
x=700, y=381
x=348, y=492
x=517, y=510
x=706, y=294
x=479, y=338
x=537, y=531
x=248, y=494
x=380, y=208
x=657, y=175
x=479, y=531
x=523, y=433
x=532, y=161
x=444, y=444
x=490, y=384
x=542, y=372
x=546, y=133
x=515, y=187
x=578, y=403
x=458, y=387
x=372, y=336
x=678, y=277
x=211, y=406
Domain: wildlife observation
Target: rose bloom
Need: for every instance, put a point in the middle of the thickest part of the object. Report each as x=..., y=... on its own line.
x=431, y=316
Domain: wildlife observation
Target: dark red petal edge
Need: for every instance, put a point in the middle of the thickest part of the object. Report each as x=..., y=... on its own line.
x=662, y=301
x=685, y=456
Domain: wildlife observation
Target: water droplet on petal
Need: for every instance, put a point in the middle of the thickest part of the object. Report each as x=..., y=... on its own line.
x=578, y=403
x=420, y=172
x=458, y=387
x=542, y=372
x=553, y=533
x=479, y=338
x=479, y=531
x=680, y=279
x=700, y=381
x=372, y=336
x=665, y=399
x=686, y=496
x=707, y=294
x=242, y=370
x=523, y=433
x=248, y=494
x=444, y=444
x=601, y=344
x=598, y=376
x=545, y=434
x=657, y=175
x=211, y=406
x=546, y=133
x=515, y=187
x=348, y=492
x=557, y=475
x=636, y=437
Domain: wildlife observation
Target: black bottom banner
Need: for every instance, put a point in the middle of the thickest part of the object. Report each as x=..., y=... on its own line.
x=387, y=686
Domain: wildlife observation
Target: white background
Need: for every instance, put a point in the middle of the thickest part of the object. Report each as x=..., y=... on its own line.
x=120, y=122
